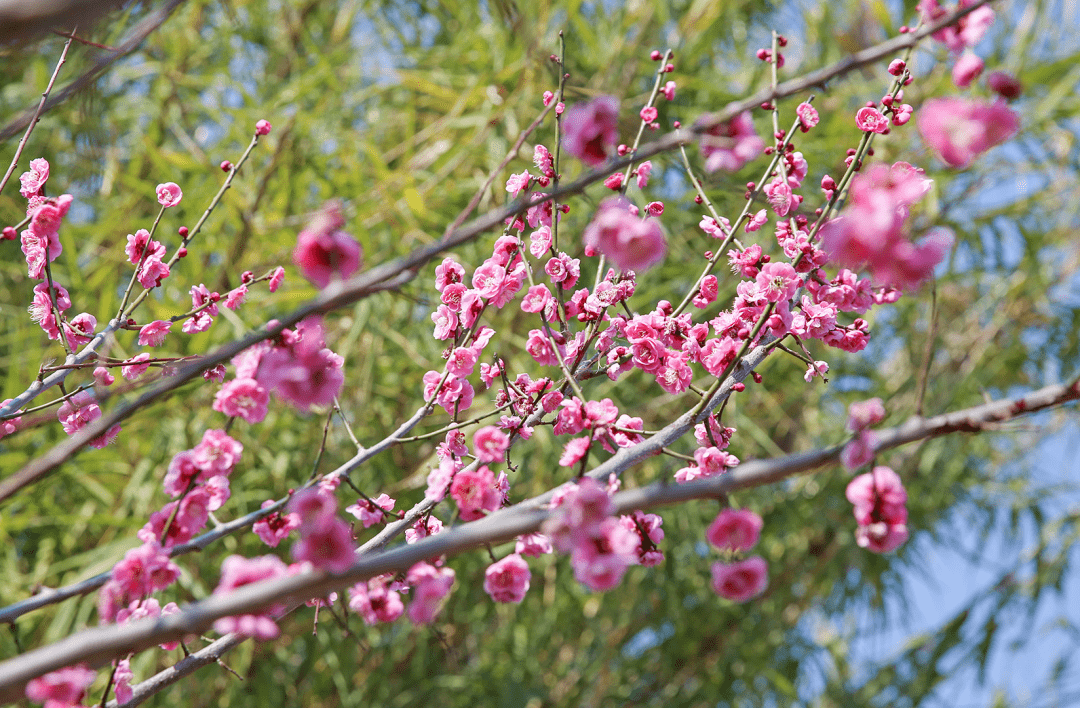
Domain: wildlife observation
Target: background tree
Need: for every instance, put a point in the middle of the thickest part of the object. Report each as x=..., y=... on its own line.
x=402, y=110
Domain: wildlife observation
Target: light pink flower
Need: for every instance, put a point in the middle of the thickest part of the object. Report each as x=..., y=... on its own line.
x=371, y=512
x=153, y=334
x=734, y=530
x=237, y=571
x=169, y=194
x=533, y=544
x=276, y=278
x=122, y=679
x=808, y=116
x=740, y=581
x=475, y=492
x=33, y=180
x=134, y=367
x=959, y=130
x=878, y=496
x=631, y=243
x=507, y=580
x=863, y=414
x=731, y=145
x=80, y=329
x=966, y=69
x=592, y=129
x=430, y=585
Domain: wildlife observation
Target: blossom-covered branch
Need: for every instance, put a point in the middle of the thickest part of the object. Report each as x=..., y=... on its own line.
x=102, y=644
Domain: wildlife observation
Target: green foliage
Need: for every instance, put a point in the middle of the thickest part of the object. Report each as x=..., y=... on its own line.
x=402, y=110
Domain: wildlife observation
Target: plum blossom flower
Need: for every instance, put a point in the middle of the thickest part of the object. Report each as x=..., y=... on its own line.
x=64, y=687
x=237, y=571
x=375, y=601
x=153, y=334
x=507, y=580
x=244, y=398
x=34, y=179
x=631, y=243
x=430, y=585
x=729, y=146
x=966, y=69
x=79, y=411
x=324, y=252
x=169, y=194
x=735, y=530
x=371, y=512
x=262, y=127
x=879, y=501
x=959, y=130
x=592, y=129
x=274, y=528
x=740, y=581
x=870, y=120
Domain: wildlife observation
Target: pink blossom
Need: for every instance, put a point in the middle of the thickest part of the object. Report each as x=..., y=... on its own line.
x=153, y=334
x=64, y=687
x=371, y=512
x=122, y=678
x=80, y=329
x=144, y=570
x=475, y=493
x=881, y=537
x=244, y=398
x=533, y=545
x=330, y=547
x=648, y=114
x=878, y=496
x=375, y=602
x=966, y=69
x=262, y=127
x=235, y=297
x=134, y=367
x=517, y=184
x=631, y=243
x=169, y=194
x=507, y=580
x=777, y=282
x=150, y=275
x=217, y=453
x=580, y=514
x=740, y=581
x=756, y=221
x=600, y=561
x=324, y=252
x=808, y=116
x=859, y=451
x=669, y=90
x=237, y=571
x=301, y=370
x=422, y=528
x=959, y=130
x=490, y=443
x=642, y=173
x=276, y=278
x=592, y=129
x=735, y=530
x=273, y=529
x=430, y=585
x=79, y=411
x=863, y=414
x=729, y=146
x=870, y=120
x=33, y=180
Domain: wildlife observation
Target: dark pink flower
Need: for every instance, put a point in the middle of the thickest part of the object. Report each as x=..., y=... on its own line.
x=870, y=120
x=134, y=367
x=330, y=547
x=276, y=278
x=740, y=581
x=490, y=443
x=631, y=243
x=430, y=585
x=262, y=127
x=273, y=529
x=592, y=129
x=475, y=493
x=169, y=194
x=959, y=130
x=371, y=512
x=507, y=580
x=1004, y=84
x=808, y=116
x=324, y=252
x=244, y=398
